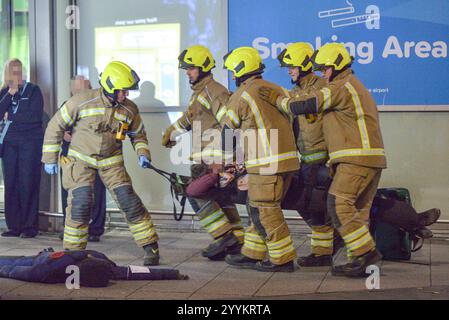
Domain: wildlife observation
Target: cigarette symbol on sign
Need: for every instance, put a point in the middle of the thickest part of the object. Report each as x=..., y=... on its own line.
x=371, y=18
x=355, y=20
x=336, y=12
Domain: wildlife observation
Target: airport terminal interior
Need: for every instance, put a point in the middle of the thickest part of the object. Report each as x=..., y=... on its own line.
x=396, y=115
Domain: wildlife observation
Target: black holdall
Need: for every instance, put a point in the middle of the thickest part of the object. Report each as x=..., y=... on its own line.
x=393, y=242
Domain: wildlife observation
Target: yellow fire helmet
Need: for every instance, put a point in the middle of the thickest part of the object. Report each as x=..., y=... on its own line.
x=243, y=60
x=197, y=56
x=297, y=55
x=332, y=55
x=119, y=76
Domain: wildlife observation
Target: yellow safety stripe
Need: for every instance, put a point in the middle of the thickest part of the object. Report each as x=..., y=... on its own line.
x=260, y=124
x=322, y=243
x=94, y=162
x=285, y=105
x=355, y=234
x=76, y=231
x=254, y=246
x=204, y=102
x=122, y=117
x=278, y=253
x=221, y=113
x=281, y=243
x=327, y=100
x=272, y=159
x=178, y=128
x=360, y=117
x=92, y=112
x=238, y=233
x=234, y=118
x=215, y=216
x=322, y=155
x=141, y=145
x=141, y=226
x=66, y=116
x=360, y=243
x=323, y=235
x=146, y=234
x=75, y=241
x=356, y=153
x=215, y=226
x=254, y=238
x=51, y=148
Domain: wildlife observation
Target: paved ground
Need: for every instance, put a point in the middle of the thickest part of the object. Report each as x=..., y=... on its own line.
x=425, y=277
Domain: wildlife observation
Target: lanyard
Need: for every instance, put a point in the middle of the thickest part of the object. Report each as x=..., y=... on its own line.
x=16, y=103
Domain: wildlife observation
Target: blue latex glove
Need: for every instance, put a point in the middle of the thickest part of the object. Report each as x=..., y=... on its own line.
x=144, y=162
x=51, y=169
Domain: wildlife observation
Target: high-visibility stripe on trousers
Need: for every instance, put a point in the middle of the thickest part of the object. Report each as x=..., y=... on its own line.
x=213, y=219
x=143, y=231
x=349, y=203
x=322, y=241
x=268, y=232
x=79, y=178
x=254, y=245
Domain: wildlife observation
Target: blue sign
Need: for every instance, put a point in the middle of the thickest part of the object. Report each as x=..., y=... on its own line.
x=400, y=47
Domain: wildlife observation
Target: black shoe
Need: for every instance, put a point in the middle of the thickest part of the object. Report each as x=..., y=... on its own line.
x=423, y=233
x=28, y=235
x=93, y=238
x=241, y=261
x=267, y=266
x=429, y=217
x=219, y=246
x=315, y=261
x=357, y=267
x=11, y=234
x=151, y=257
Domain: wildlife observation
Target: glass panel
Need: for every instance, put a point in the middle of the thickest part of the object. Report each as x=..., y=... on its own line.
x=14, y=43
x=149, y=36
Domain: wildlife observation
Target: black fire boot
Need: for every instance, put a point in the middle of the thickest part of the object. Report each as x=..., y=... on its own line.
x=429, y=217
x=218, y=248
x=241, y=261
x=267, y=266
x=151, y=257
x=315, y=261
x=357, y=267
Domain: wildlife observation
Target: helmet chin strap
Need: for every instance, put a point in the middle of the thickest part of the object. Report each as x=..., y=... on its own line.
x=201, y=76
x=239, y=81
x=112, y=97
x=300, y=76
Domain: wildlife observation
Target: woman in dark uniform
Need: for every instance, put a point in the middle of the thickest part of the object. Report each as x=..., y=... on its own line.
x=22, y=140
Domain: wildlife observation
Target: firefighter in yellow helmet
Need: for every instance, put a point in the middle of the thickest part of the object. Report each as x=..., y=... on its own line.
x=356, y=151
x=206, y=109
x=270, y=158
x=309, y=136
x=101, y=120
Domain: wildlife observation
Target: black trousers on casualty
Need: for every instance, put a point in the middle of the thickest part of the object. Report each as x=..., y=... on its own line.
x=22, y=166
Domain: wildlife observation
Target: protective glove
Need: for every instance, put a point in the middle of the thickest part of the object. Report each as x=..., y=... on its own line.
x=166, y=139
x=51, y=169
x=144, y=162
x=269, y=95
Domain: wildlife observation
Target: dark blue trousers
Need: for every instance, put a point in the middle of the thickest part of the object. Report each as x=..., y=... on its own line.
x=98, y=215
x=22, y=173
